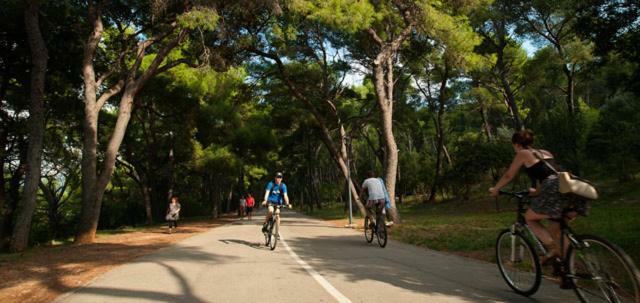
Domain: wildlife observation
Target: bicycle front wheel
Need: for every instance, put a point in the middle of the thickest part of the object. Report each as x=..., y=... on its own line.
x=602, y=272
x=274, y=236
x=518, y=263
x=368, y=229
x=267, y=235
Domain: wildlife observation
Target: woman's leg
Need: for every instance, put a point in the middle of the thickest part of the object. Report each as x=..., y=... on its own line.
x=533, y=220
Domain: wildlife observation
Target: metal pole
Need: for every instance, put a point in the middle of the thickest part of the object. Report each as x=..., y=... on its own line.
x=349, y=181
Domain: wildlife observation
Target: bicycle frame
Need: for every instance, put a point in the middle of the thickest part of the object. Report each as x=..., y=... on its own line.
x=521, y=225
x=565, y=264
x=276, y=214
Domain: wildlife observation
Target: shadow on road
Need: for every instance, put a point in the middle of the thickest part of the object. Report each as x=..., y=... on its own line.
x=184, y=254
x=406, y=267
x=186, y=295
x=243, y=242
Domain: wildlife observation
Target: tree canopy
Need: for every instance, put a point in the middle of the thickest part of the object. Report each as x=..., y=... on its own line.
x=206, y=100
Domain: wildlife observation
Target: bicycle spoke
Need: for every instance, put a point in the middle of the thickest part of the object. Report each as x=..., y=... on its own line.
x=602, y=272
x=518, y=263
x=592, y=293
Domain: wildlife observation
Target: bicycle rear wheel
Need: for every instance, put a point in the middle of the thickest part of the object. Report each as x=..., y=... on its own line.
x=274, y=236
x=518, y=263
x=381, y=231
x=368, y=229
x=602, y=272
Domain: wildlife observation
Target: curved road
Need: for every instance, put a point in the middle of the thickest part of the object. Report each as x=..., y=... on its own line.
x=316, y=263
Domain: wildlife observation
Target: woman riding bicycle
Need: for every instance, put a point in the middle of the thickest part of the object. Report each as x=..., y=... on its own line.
x=546, y=201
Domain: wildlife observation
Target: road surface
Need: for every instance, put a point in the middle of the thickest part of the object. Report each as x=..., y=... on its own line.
x=315, y=262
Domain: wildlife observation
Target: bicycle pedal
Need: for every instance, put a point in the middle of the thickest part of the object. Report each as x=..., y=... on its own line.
x=566, y=283
x=557, y=269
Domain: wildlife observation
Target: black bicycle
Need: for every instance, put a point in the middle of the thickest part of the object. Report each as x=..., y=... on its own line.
x=597, y=270
x=378, y=228
x=272, y=235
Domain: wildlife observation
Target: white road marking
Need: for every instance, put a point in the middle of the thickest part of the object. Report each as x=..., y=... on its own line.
x=319, y=278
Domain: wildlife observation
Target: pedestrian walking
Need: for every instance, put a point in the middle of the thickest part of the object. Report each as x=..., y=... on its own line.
x=173, y=213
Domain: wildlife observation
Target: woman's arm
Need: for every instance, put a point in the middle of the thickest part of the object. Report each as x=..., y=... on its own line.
x=517, y=162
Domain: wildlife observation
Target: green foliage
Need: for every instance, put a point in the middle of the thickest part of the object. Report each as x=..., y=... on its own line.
x=343, y=15
x=474, y=158
x=229, y=131
x=615, y=140
x=203, y=18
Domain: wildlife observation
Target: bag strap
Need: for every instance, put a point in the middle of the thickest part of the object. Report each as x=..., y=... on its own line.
x=535, y=153
x=556, y=171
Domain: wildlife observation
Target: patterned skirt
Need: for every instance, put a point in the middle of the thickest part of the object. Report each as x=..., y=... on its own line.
x=553, y=203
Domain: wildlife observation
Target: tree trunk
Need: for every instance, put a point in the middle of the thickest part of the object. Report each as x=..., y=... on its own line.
x=338, y=155
x=94, y=186
x=90, y=213
x=3, y=197
x=53, y=202
x=229, y=199
x=506, y=87
x=440, y=148
x=570, y=92
x=146, y=195
x=39, y=57
x=383, y=81
x=6, y=229
x=485, y=123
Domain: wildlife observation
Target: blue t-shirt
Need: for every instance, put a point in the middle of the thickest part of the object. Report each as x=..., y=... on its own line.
x=276, y=192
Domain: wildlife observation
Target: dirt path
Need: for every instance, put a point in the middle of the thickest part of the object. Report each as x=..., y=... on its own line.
x=41, y=274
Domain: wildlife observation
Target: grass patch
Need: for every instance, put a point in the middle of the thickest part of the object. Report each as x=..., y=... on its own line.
x=332, y=211
x=470, y=228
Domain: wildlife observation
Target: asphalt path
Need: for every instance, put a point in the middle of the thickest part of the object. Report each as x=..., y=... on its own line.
x=314, y=262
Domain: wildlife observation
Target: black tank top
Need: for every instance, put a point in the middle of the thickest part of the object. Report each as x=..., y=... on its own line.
x=540, y=170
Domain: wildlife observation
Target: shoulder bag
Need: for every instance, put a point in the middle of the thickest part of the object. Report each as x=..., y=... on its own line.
x=569, y=183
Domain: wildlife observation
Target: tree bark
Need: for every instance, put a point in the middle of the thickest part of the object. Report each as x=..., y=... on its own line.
x=383, y=82
x=39, y=57
x=52, y=210
x=3, y=197
x=338, y=155
x=502, y=70
x=440, y=147
x=6, y=229
x=90, y=213
x=571, y=106
x=94, y=186
x=485, y=123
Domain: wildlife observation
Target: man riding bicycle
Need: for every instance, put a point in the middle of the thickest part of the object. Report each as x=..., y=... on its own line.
x=374, y=187
x=275, y=193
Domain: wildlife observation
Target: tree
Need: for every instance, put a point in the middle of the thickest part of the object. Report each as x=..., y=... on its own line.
x=502, y=74
x=126, y=77
x=39, y=57
x=377, y=32
x=554, y=22
x=314, y=78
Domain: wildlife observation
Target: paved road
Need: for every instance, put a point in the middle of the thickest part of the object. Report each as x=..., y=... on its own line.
x=316, y=263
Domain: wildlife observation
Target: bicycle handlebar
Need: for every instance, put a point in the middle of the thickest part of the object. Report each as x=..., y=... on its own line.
x=520, y=194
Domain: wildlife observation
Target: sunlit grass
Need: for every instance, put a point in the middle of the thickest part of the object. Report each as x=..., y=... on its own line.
x=471, y=227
